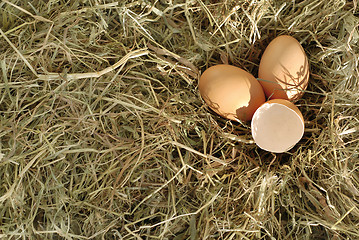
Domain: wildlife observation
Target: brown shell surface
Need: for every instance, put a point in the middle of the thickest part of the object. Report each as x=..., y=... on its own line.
x=284, y=69
x=231, y=92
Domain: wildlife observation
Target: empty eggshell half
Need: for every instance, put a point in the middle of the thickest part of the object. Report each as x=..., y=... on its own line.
x=277, y=126
x=284, y=69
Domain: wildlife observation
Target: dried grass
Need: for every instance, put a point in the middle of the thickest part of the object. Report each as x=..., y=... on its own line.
x=104, y=135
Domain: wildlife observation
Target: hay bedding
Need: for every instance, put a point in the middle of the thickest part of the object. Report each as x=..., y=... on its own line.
x=104, y=135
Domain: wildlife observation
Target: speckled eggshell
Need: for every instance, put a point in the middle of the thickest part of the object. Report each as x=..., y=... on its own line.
x=231, y=92
x=284, y=69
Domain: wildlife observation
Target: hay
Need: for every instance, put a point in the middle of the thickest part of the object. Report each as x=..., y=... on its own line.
x=104, y=135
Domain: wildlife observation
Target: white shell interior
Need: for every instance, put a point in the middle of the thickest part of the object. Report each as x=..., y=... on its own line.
x=276, y=127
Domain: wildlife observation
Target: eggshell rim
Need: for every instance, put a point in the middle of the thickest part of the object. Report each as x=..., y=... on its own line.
x=300, y=116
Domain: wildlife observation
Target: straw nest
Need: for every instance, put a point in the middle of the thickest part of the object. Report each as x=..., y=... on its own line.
x=105, y=136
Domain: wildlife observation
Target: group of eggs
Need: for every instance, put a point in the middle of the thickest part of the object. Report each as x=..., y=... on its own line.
x=233, y=93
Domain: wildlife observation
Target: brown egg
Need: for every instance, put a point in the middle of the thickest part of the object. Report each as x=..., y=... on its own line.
x=231, y=92
x=284, y=69
x=277, y=126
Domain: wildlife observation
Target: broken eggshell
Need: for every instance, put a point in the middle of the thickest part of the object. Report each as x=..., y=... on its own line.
x=277, y=126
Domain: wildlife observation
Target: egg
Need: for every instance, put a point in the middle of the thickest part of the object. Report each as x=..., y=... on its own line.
x=277, y=126
x=284, y=69
x=231, y=92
